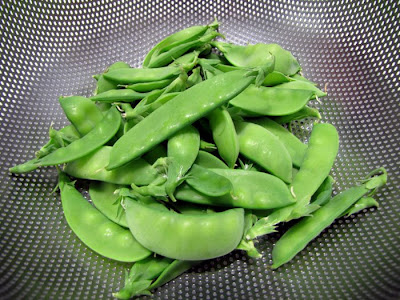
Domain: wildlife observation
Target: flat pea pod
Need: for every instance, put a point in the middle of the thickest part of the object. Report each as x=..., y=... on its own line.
x=299, y=235
x=93, y=167
x=137, y=75
x=207, y=160
x=183, y=36
x=122, y=95
x=81, y=112
x=305, y=112
x=302, y=85
x=182, y=149
x=256, y=55
x=271, y=101
x=95, y=230
x=104, y=84
x=251, y=190
x=150, y=86
x=294, y=146
x=324, y=192
x=224, y=135
x=208, y=182
x=264, y=148
x=189, y=106
x=362, y=203
x=92, y=141
x=107, y=202
x=185, y=236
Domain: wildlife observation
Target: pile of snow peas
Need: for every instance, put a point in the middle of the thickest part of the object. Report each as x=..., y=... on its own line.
x=191, y=157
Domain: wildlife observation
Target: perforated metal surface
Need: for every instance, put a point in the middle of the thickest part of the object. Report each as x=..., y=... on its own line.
x=52, y=49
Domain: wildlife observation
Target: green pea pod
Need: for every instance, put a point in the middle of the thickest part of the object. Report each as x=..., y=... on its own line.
x=186, y=58
x=167, y=57
x=206, y=146
x=92, y=141
x=183, y=148
x=207, y=160
x=256, y=55
x=107, y=201
x=305, y=112
x=150, y=86
x=251, y=190
x=83, y=114
x=93, y=166
x=264, y=148
x=299, y=235
x=208, y=182
x=104, y=84
x=194, y=78
x=363, y=203
x=271, y=101
x=294, y=146
x=302, y=85
x=185, y=236
x=178, y=85
x=177, y=38
x=324, y=192
x=224, y=135
x=123, y=95
x=157, y=152
x=301, y=78
x=95, y=230
x=189, y=106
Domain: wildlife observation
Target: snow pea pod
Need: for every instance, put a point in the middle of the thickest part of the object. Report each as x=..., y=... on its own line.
x=194, y=78
x=363, y=203
x=92, y=141
x=264, y=148
x=104, y=84
x=95, y=230
x=251, y=190
x=208, y=182
x=305, y=112
x=303, y=232
x=207, y=160
x=182, y=149
x=271, y=101
x=256, y=55
x=122, y=95
x=158, y=151
x=294, y=146
x=149, y=86
x=185, y=236
x=224, y=135
x=93, y=166
x=177, y=38
x=324, y=192
x=302, y=85
x=189, y=106
x=81, y=112
x=107, y=202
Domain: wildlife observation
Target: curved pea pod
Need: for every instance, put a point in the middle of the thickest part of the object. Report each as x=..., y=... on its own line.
x=271, y=101
x=251, y=190
x=186, y=108
x=95, y=230
x=264, y=148
x=294, y=146
x=150, y=86
x=207, y=160
x=183, y=148
x=194, y=78
x=83, y=114
x=185, y=236
x=362, y=203
x=299, y=235
x=305, y=112
x=104, y=84
x=224, y=135
x=93, y=166
x=208, y=182
x=324, y=192
x=122, y=95
x=97, y=137
x=107, y=201
x=177, y=38
x=302, y=85
x=256, y=55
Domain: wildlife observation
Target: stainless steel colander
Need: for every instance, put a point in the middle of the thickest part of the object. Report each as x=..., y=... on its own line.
x=53, y=48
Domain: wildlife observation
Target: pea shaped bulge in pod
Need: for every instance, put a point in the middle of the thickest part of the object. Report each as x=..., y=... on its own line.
x=185, y=236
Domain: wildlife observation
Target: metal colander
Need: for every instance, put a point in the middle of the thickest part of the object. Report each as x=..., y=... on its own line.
x=53, y=48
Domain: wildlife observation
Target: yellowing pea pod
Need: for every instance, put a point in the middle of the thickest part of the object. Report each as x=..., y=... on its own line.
x=264, y=148
x=185, y=236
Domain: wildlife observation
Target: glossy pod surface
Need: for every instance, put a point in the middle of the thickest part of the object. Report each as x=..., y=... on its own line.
x=185, y=236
